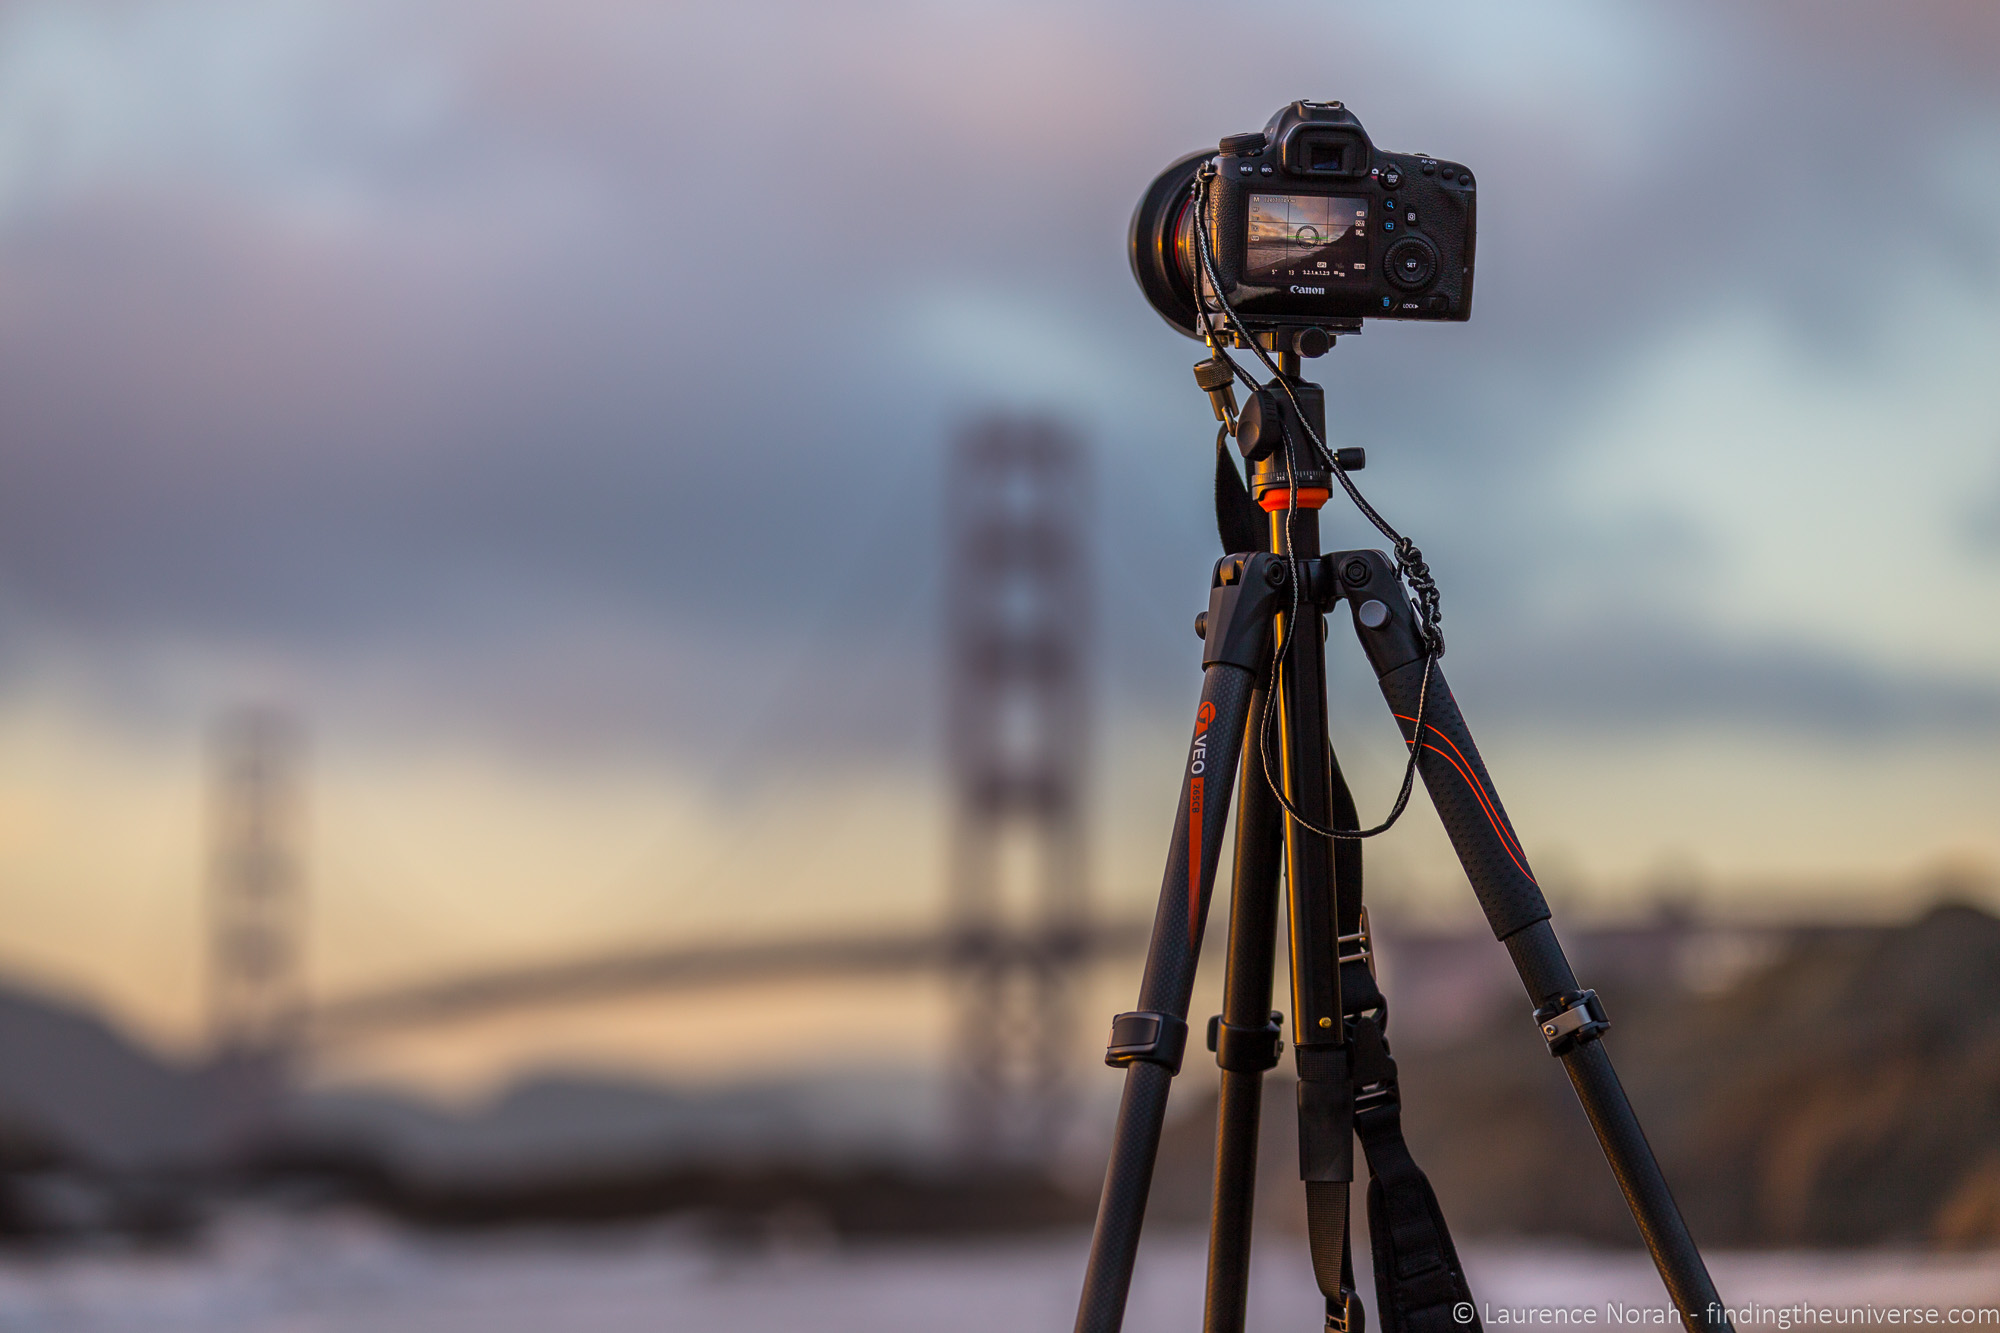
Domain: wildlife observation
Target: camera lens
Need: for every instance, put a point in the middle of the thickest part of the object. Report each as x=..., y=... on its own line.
x=1410, y=264
x=1161, y=243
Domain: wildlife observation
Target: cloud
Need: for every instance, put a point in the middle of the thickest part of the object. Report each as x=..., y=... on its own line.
x=536, y=368
x=1979, y=524
x=1626, y=677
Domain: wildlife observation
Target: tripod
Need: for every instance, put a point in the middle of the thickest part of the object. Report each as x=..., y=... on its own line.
x=1346, y=1075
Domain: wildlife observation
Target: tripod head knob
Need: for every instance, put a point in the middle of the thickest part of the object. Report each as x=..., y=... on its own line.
x=1260, y=426
x=1311, y=342
x=1215, y=376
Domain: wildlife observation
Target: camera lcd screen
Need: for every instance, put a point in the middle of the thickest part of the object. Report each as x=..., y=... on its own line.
x=1298, y=237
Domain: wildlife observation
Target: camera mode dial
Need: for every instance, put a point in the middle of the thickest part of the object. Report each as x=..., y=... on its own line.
x=1410, y=264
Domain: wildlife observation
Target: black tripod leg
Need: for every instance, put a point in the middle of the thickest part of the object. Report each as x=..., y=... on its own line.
x=1149, y=1042
x=1247, y=1037
x=1571, y=1019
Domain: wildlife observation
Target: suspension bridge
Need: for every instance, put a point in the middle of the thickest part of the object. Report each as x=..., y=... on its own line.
x=1017, y=737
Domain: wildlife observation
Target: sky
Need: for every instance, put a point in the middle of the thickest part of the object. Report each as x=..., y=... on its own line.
x=546, y=403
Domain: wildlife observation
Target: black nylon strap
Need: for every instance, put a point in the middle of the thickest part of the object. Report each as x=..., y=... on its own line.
x=1326, y=1237
x=1238, y=520
x=1327, y=1084
x=1326, y=1164
x=1326, y=1114
x=1418, y=1278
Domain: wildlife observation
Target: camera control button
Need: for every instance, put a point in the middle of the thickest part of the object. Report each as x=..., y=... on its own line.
x=1389, y=224
x=1267, y=169
x=1391, y=177
x=1245, y=169
x=1410, y=264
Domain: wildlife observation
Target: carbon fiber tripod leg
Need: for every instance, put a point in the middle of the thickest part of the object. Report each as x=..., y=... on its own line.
x=1150, y=1041
x=1571, y=1020
x=1246, y=1036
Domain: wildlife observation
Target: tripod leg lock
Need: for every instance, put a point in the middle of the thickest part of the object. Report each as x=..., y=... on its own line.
x=1247, y=1050
x=1148, y=1035
x=1573, y=1019
x=1244, y=593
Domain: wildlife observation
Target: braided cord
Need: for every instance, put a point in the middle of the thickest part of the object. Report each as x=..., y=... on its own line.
x=1410, y=564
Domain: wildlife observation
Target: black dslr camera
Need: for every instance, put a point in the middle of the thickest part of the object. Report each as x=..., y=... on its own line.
x=1310, y=228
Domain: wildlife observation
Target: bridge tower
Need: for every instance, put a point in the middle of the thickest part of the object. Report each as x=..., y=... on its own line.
x=256, y=995
x=1017, y=599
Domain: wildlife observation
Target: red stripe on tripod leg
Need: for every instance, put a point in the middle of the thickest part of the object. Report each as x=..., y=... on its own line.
x=1480, y=796
x=1511, y=844
x=1492, y=807
x=1194, y=859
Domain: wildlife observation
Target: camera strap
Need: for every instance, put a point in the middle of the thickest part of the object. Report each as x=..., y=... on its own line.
x=1420, y=1286
x=1352, y=1089
x=1238, y=521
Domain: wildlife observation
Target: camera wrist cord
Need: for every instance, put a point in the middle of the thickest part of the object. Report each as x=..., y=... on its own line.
x=1418, y=1275
x=1409, y=560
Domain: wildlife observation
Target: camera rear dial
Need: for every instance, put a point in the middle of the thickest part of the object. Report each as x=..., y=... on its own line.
x=1411, y=264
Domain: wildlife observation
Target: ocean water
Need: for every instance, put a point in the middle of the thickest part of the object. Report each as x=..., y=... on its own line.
x=336, y=1274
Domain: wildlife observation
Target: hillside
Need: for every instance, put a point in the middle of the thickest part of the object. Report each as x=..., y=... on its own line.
x=1846, y=1093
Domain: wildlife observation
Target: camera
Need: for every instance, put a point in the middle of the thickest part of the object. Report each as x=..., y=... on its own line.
x=1310, y=229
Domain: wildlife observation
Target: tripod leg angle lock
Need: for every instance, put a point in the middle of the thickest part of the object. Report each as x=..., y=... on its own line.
x=1347, y=1077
